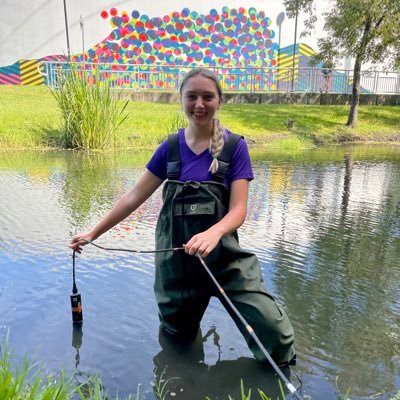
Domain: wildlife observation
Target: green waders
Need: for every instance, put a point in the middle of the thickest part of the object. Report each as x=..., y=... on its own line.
x=182, y=286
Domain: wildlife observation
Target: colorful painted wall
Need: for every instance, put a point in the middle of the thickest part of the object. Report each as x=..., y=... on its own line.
x=229, y=38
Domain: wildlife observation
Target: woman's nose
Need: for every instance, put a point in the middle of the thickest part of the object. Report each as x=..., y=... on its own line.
x=199, y=102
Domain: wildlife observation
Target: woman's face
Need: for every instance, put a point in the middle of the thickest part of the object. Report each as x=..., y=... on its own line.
x=200, y=101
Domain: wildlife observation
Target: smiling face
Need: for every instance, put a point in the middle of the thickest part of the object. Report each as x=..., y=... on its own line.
x=200, y=99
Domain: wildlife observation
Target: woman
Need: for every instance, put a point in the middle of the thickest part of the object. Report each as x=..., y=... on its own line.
x=207, y=171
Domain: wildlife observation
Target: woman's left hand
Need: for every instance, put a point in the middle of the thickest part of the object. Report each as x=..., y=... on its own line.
x=203, y=243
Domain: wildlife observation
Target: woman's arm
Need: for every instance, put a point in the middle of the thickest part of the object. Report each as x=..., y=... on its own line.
x=128, y=203
x=205, y=242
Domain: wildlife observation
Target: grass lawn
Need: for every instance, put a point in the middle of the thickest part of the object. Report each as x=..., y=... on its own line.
x=29, y=118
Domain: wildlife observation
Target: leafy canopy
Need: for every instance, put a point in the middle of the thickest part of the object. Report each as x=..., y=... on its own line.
x=363, y=29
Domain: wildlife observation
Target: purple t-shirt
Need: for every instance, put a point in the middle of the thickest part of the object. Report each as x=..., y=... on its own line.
x=195, y=167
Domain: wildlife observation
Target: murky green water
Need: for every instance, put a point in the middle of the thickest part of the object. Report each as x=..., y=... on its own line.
x=325, y=224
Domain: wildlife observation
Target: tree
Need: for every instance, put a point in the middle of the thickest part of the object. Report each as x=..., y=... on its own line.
x=367, y=30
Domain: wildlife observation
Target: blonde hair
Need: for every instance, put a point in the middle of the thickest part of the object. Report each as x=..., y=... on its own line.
x=217, y=136
x=216, y=144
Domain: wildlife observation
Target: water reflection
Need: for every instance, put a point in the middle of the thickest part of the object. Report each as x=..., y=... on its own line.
x=77, y=340
x=88, y=182
x=336, y=263
x=190, y=377
x=324, y=223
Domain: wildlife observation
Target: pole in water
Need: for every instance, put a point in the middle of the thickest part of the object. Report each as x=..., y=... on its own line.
x=250, y=330
x=76, y=300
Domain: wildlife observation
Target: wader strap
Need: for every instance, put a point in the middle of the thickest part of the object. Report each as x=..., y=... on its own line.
x=174, y=157
x=225, y=157
x=173, y=166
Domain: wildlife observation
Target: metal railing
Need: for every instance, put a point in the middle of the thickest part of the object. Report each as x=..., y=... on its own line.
x=245, y=80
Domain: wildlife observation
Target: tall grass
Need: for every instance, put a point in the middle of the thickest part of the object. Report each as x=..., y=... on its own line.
x=28, y=382
x=90, y=111
x=177, y=121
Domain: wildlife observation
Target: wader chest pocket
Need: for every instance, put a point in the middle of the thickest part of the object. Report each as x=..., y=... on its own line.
x=194, y=207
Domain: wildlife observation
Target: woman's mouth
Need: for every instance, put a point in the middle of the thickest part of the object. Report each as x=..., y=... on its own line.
x=199, y=114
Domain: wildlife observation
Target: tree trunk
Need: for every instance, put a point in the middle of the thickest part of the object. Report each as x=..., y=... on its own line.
x=355, y=94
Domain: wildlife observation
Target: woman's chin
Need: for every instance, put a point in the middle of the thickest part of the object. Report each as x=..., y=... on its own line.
x=201, y=121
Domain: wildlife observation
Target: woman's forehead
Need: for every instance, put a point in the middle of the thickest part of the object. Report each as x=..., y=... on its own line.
x=200, y=83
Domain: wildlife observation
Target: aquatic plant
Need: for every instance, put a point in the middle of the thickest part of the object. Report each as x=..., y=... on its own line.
x=161, y=385
x=28, y=382
x=90, y=110
x=246, y=395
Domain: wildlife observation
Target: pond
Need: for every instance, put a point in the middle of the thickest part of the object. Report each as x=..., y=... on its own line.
x=324, y=223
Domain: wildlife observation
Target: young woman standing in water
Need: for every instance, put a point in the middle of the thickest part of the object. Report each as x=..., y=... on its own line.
x=207, y=171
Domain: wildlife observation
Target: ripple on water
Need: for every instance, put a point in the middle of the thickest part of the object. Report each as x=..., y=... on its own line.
x=327, y=243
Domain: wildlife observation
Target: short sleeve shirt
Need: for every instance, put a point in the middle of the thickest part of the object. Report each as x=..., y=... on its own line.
x=194, y=167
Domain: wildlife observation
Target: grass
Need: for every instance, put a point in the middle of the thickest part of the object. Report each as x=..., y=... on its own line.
x=91, y=113
x=29, y=118
x=246, y=395
x=29, y=382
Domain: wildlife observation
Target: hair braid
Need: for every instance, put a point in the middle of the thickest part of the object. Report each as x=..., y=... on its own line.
x=216, y=144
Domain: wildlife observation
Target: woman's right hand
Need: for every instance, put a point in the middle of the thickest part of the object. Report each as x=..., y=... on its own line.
x=79, y=240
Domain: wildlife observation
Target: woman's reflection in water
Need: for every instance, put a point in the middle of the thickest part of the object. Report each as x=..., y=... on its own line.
x=181, y=364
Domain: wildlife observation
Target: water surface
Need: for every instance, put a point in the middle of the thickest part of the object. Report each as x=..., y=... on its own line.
x=325, y=224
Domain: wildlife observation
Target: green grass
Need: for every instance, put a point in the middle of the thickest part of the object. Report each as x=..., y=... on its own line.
x=91, y=112
x=321, y=124
x=29, y=118
x=28, y=382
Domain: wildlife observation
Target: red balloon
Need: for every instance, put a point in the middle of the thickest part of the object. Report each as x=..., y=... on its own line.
x=104, y=14
x=113, y=11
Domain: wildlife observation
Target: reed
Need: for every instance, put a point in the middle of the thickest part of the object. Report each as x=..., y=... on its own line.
x=161, y=384
x=91, y=112
x=28, y=382
x=178, y=120
x=246, y=394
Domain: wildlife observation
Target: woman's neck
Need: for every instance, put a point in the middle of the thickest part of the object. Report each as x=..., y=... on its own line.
x=194, y=134
x=197, y=140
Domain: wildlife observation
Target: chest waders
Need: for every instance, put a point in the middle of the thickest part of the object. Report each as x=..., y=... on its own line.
x=182, y=287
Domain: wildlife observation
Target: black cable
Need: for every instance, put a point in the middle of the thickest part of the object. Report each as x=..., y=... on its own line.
x=74, y=288
x=129, y=250
x=249, y=329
